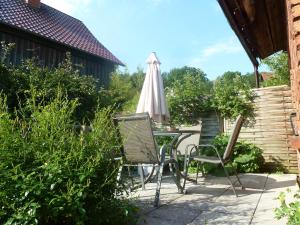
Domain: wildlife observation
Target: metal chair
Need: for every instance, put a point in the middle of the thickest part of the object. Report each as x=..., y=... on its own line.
x=217, y=160
x=139, y=148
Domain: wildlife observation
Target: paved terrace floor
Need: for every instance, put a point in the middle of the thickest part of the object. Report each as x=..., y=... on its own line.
x=212, y=201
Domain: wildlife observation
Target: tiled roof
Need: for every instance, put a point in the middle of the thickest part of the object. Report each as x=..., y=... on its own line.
x=54, y=25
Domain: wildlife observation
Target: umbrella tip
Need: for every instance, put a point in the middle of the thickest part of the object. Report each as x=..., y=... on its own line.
x=153, y=58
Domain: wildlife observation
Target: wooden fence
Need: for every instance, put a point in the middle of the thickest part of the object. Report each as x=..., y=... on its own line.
x=272, y=129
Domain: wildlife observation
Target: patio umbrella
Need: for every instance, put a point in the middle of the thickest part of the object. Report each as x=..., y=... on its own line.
x=152, y=98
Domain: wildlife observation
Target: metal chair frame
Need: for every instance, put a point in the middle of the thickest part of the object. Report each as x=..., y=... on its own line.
x=143, y=152
x=219, y=160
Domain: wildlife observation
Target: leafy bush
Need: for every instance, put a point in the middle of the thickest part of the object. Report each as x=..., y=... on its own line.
x=188, y=95
x=51, y=174
x=17, y=81
x=233, y=96
x=124, y=90
x=289, y=210
x=247, y=158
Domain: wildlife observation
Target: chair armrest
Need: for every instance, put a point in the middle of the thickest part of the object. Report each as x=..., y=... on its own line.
x=194, y=147
x=162, y=153
x=213, y=147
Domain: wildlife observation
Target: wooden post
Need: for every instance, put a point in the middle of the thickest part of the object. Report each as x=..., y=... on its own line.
x=256, y=75
x=293, y=19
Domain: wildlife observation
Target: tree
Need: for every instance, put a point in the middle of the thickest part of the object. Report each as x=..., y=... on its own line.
x=250, y=79
x=124, y=90
x=188, y=94
x=178, y=74
x=137, y=79
x=278, y=64
x=233, y=96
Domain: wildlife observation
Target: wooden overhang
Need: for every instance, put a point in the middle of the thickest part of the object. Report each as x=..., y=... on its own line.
x=260, y=25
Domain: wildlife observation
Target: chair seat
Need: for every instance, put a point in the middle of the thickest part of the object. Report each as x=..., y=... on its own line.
x=209, y=159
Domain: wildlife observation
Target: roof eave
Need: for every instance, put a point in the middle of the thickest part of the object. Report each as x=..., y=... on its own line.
x=64, y=44
x=250, y=52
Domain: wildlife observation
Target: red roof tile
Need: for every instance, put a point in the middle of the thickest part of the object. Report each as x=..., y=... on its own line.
x=54, y=25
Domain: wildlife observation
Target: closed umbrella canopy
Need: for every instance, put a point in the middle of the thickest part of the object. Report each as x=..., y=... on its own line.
x=152, y=99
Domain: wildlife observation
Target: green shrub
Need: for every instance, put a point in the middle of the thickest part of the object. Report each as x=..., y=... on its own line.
x=124, y=91
x=247, y=158
x=289, y=210
x=51, y=174
x=17, y=81
x=233, y=96
x=188, y=95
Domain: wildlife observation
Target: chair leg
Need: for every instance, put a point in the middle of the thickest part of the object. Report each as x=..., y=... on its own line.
x=119, y=178
x=199, y=166
x=228, y=177
x=176, y=175
x=130, y=176
x=185, y=172
x=141, y=172
x=159, y=178
x=197, y=172
x=159, y=175
x=238, y=179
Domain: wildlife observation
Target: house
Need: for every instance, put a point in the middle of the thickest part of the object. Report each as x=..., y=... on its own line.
x=265, y=27
x=44, y=32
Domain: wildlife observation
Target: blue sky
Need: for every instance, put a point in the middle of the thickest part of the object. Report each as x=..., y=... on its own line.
x=193, y=33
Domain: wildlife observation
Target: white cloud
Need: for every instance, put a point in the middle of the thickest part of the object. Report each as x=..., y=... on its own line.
x=230, y=46
x=68, y=6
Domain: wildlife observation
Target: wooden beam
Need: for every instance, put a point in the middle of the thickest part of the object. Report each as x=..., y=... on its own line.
x=256, y=76
x=250, y=51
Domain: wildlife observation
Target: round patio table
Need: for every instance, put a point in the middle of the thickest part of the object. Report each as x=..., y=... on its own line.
x=176, y=134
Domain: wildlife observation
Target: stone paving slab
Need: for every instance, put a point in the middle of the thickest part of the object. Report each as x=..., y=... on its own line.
x=268, y=202
x=212, y=201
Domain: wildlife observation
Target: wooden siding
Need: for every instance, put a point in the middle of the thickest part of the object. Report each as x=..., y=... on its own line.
x=52, y=54
x=272, y=129
x=293, y=30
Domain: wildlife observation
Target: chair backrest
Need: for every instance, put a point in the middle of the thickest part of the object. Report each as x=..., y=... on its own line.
x=137, y=136
x=192, y=140
x=233, y=137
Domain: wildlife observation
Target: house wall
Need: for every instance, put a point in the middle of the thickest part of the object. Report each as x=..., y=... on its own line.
x=52, y=54
x=272, y=129
x=293, y=29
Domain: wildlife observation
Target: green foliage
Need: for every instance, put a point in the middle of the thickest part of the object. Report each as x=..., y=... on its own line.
x=233, y=96
x=171, y=78
x=188, y=94
x=250, y=79
x=278, y=64
x=247, y=158
x=17, y=82
x=124, y=90
x=5, y=51
x=291, y=210
x=50, y=174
